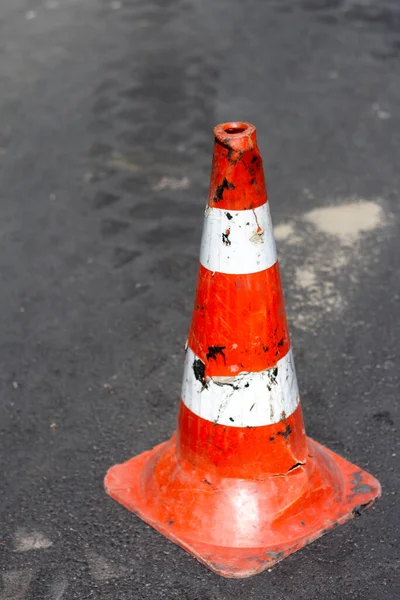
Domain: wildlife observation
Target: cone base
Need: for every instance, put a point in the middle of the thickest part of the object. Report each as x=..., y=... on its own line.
x=238, y=527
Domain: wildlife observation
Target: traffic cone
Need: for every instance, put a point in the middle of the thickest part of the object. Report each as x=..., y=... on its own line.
x=240, y=486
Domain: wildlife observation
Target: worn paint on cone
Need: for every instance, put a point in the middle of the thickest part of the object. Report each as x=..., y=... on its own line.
x=240, y=486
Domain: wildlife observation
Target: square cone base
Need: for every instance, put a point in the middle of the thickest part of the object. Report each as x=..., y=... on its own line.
x=239, y=527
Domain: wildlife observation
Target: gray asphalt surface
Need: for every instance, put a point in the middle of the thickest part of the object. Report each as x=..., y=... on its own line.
x=106, y=117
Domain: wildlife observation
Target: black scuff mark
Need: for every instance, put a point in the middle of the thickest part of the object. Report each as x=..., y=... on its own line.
x=232, y=419
x=252, y=180
x=219, y=192
x=207, y=482
x=272, y=378
x=286, y=433
x=265, y=348
x=171, y=522
x=228, y=383
x=247, y=385
x=199, y=370
x=225, y=237
x=253, y=405
x=228, y=216
x=214, y=351
x=280, y=343
x=253, y=160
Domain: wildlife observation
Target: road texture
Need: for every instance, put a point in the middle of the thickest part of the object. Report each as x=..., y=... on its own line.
x=106, y=117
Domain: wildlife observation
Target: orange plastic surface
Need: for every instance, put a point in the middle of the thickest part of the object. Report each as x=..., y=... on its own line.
x=240, y=499
x=239, y=527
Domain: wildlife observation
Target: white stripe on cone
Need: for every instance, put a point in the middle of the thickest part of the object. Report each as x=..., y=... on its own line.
x=238, y=242
x=246, y=400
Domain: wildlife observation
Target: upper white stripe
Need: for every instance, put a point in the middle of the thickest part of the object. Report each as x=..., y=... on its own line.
x=246, y=400
x=238, y=242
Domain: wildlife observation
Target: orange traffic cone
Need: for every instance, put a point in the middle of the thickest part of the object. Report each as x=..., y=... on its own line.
x=240, y=486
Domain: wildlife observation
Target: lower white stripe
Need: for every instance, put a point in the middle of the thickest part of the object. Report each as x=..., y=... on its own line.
x=246, y=400
x=238, y=242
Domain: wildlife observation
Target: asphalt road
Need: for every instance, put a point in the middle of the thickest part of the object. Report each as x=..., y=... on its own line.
x=106, y=117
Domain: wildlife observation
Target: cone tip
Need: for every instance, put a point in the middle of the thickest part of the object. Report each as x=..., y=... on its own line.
x=237, y=135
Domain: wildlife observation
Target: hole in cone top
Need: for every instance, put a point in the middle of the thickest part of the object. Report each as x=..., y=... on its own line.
x=236, y=135
x=232, y=128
